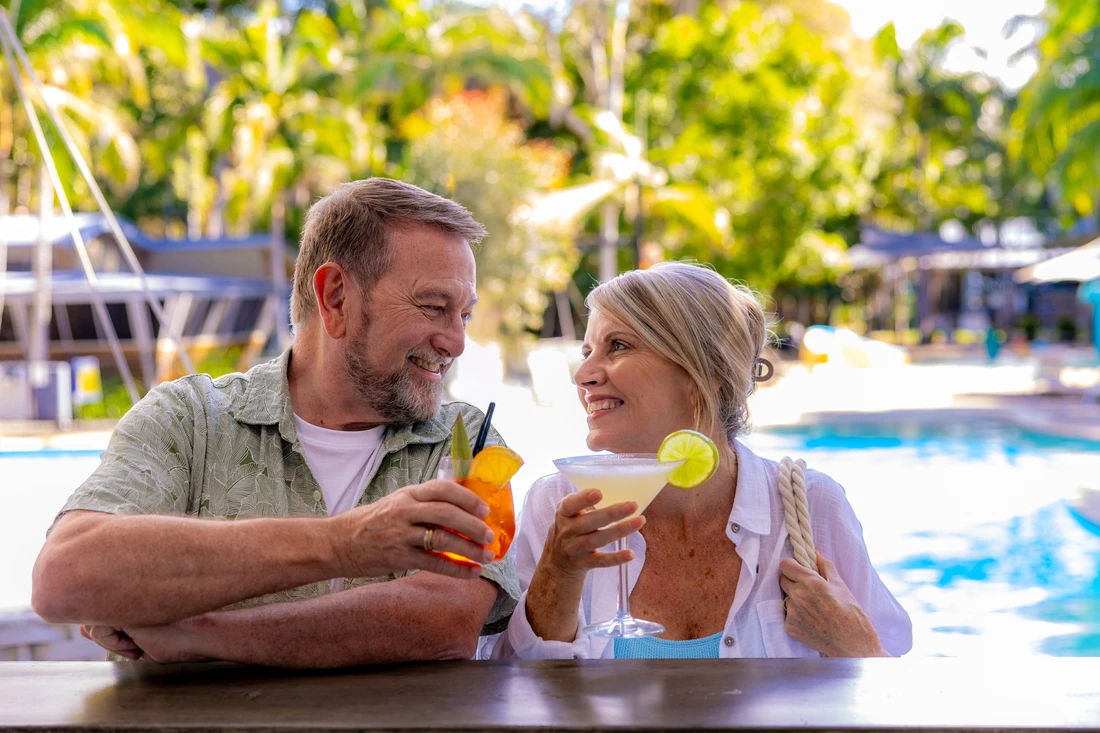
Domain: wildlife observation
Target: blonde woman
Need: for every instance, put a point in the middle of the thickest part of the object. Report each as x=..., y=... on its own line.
x=674, y=347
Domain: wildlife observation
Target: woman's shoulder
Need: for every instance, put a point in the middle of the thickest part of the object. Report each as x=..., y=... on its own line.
x=551, y=488
x=545, y=494
x=821, y=488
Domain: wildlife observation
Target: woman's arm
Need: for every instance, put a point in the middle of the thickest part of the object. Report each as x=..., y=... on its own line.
x=557, y=544
x=572, y=548
x=823, y=615
x=838, y=535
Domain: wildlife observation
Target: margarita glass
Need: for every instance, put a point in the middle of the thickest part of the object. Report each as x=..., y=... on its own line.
x=620, y=477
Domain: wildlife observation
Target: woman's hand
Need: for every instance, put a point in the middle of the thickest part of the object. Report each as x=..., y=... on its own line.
x=823, y=614
x=570, y=551
x=574, y=539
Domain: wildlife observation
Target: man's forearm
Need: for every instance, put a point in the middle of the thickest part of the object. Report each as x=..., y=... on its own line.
x=421, y=617
x=145, y=570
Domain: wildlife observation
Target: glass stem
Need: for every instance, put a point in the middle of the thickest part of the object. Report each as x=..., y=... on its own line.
x=624, y=585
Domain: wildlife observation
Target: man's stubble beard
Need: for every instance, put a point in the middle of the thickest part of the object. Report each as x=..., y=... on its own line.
x=396, y=398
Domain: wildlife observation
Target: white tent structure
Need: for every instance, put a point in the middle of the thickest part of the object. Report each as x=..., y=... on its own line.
x=1079, y=265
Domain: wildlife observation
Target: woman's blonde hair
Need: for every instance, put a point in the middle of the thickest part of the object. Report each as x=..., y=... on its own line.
x=693, y=317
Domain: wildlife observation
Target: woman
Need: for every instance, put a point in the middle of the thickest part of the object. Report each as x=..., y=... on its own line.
x=675, y=347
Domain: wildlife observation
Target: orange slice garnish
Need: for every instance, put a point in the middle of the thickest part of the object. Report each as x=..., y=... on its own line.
x=495, y=465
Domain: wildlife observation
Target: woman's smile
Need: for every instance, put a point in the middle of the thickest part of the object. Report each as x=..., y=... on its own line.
x=622, y=376
x=599, y=406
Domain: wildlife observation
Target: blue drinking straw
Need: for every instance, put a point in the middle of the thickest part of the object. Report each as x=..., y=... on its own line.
x=484, y=432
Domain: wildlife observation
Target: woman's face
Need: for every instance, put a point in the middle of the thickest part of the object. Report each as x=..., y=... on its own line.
x=634, y=398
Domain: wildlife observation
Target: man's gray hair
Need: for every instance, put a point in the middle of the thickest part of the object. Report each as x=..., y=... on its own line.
x=351, y=227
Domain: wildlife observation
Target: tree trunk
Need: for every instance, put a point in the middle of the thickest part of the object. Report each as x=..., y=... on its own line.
x=617, y=65
x=609, y=240
x=38, y=369
x=278, y=270
x=613, y=88
x=195, y=181
x=3, y=238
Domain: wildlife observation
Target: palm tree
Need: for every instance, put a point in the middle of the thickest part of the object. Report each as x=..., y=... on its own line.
x=267, y=117
x=85, y=52
x=1059, y=112
x=593, y=61
x=82, y=49
x=405, y=54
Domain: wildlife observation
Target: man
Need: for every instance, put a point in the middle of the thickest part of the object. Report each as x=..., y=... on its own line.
x=324, y=459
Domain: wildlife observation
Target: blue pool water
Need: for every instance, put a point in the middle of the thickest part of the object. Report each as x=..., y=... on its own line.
x=975, y=527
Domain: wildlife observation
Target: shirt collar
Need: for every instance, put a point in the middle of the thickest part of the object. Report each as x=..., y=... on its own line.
x=266, y=401
x=752, y=503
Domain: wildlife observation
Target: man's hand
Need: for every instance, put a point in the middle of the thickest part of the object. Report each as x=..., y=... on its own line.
x=164, y=644
x=389, y=535
x=823, y=614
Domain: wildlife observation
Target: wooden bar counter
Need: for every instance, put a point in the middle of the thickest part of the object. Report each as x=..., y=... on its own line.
x=1029, y=694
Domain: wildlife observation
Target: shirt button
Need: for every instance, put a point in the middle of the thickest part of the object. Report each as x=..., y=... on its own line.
x=729, y=641
x=735, y=526
x=316, y=495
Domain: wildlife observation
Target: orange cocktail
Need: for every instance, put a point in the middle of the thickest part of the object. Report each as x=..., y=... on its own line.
x=489, y=476
x=502, y=515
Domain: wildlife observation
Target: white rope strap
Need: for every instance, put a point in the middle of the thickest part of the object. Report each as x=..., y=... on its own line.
x=792, y=488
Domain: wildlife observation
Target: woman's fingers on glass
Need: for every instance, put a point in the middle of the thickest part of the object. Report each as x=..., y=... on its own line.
x=591, y=521
x=575, y=503
x=610, y=559
x=607, y=535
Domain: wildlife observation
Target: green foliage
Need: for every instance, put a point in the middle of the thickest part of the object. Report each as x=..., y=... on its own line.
x=759, y=117
x=946, y=157
x=1058, y=121
x=1067, y=329
x=74, y=47
x=755, y=135
x=1029, y=324
x=466, y=148
x=115, y=403
x=116, y=399
x=220, y=362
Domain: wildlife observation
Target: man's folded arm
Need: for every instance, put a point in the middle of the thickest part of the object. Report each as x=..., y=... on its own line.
x=420, y=617
x=99, y=568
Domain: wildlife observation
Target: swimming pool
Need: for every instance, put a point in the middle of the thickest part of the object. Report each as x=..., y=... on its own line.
x=970, y=524
x=33, y=486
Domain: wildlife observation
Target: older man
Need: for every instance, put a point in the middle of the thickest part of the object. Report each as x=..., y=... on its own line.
x=324, y=459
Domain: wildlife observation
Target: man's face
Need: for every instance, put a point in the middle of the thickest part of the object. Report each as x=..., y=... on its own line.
x=414, y=325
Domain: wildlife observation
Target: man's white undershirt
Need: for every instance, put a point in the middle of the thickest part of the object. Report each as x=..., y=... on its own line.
x=343, y=462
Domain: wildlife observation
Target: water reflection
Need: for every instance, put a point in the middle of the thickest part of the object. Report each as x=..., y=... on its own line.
x=971, y=526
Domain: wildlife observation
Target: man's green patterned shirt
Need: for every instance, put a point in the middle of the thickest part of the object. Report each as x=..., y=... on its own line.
x=228, y=448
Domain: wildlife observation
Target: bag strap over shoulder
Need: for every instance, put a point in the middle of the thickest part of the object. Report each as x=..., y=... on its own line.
x=792, y=489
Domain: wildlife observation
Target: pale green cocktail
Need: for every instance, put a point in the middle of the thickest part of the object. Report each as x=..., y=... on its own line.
x=620, y=477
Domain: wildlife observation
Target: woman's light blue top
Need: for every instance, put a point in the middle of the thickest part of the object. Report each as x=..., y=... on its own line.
x=650, y=647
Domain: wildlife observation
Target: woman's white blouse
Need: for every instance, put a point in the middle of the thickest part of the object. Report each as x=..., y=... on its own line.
x=755, y=623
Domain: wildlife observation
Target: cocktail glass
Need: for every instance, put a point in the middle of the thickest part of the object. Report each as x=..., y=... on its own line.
x=619, y=477
x=502, y=514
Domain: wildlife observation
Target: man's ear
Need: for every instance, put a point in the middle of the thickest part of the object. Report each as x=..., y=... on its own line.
x=332, y=289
